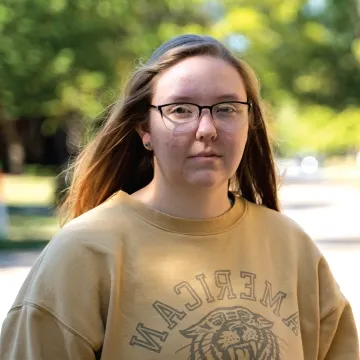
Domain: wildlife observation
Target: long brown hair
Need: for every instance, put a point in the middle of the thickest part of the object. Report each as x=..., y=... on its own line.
x=116, y=159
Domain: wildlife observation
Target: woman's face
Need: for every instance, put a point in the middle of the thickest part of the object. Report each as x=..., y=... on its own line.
x=203, y=156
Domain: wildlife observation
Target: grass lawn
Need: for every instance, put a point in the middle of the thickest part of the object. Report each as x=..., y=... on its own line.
x=27, y=190
x=32, y=227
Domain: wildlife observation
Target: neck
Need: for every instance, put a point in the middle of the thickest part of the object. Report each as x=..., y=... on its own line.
x=185, y=203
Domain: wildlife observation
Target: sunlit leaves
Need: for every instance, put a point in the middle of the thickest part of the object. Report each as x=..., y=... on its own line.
x=318, y=128
x=307, y=57
x=60, y=56
x=62, y=61
x=244, y=20
x=284, y=11
x=317, y=32
x=57, y=5
x=6, y=15
x=355, y=47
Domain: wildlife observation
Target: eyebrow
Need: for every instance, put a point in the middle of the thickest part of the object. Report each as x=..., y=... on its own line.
x=231, y=96
x=223, y=97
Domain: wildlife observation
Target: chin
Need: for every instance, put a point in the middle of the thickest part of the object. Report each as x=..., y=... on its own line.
x=205, y=181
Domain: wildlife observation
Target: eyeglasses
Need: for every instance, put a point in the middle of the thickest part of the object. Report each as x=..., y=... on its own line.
x=184, y=117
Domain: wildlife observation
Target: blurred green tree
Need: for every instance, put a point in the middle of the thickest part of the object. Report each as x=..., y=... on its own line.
x=65, y=59
x=307, y=56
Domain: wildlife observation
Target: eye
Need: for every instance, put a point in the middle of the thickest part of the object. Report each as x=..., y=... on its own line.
x=226, y=109
x=181, y=109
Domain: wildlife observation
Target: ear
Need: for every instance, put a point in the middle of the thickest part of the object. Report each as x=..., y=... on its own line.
x=144, y=133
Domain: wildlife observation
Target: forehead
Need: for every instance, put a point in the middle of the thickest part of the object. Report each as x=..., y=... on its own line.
x=200, y=79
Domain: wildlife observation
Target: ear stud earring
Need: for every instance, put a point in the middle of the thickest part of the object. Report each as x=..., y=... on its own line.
x=147, y=145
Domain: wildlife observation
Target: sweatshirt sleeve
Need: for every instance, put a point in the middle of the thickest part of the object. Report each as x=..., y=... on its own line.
x=338, y=333
x=61, y=309
x=33, y=333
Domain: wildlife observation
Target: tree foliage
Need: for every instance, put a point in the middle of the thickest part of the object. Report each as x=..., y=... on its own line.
x=307, y=56
x=62, y=57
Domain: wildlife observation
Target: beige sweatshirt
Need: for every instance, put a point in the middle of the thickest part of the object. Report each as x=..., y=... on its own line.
x=124, y=281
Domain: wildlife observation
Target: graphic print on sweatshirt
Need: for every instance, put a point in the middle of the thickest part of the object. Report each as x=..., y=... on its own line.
x=232, y=333
x=226, y=332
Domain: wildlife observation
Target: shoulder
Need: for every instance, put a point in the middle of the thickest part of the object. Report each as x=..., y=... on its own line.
x=79, y=261
x=282, y=232
x=86, y=251
x=273, y=219
x=102, y=227
x=73, y=277
x=288, y=243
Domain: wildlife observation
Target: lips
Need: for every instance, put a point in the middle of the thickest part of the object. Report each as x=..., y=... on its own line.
x=206, y=154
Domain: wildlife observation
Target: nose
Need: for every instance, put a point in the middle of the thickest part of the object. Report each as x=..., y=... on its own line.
x=206, y=129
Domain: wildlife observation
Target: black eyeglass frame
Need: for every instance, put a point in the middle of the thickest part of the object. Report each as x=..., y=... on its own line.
x=210, y=107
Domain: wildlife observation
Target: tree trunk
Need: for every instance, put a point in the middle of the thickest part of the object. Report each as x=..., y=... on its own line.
x=14, y=149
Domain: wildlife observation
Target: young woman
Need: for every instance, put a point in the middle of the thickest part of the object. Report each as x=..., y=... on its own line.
x=176, y=248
